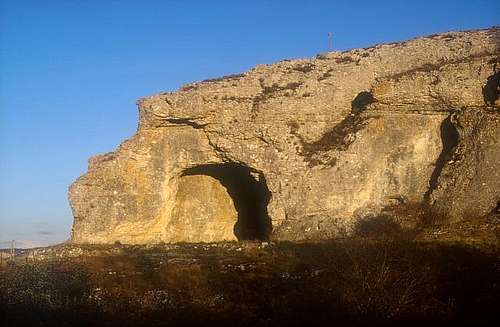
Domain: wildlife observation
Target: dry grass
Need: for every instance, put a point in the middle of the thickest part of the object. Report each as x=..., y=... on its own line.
x=350, y=282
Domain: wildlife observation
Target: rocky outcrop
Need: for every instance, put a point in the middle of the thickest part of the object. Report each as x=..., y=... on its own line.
x=303, y=149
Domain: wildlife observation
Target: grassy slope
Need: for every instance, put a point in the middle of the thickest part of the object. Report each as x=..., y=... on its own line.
x=356, y=281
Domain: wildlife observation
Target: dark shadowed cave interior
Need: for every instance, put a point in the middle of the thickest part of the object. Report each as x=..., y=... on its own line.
x=250, y=196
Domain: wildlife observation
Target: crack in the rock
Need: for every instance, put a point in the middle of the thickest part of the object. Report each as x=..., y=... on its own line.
x=340, y=137
x=219, y=152
x=185, y=122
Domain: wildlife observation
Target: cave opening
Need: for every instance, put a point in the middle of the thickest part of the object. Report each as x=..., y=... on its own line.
x=250, y=195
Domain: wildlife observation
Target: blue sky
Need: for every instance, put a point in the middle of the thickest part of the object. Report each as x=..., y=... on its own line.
x=71, y=72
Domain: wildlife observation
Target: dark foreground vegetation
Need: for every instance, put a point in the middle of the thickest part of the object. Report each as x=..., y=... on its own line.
x=350, y=282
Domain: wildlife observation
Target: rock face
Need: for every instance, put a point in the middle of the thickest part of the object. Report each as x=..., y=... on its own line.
x=303, y=149
x=203, y=211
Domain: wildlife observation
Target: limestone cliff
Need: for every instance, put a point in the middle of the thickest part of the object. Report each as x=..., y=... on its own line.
x=303, y=149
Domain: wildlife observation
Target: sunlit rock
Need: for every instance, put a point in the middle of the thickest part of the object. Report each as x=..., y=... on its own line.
x=303, y=149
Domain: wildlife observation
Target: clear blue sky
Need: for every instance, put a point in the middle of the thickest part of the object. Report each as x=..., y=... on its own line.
x=71, y=71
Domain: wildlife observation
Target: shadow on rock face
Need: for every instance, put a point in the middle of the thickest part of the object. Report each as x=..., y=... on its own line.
x=449, y=138
x=492, y=89
x=359, y=103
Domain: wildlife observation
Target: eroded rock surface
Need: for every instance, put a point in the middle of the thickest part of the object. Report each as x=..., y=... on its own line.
x=203, y=212
x=306, y=148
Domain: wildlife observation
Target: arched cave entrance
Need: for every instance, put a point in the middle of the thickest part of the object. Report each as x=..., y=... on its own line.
x=250, y=195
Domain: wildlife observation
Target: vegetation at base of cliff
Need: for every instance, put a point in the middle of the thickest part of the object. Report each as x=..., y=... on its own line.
x=353, y=282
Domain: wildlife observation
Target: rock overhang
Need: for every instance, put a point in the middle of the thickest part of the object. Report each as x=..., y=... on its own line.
x=327, y=157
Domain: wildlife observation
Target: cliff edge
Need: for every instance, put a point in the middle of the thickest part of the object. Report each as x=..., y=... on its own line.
x=306, y=149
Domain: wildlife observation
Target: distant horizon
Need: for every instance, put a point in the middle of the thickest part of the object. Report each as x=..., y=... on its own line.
x=72, y=73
